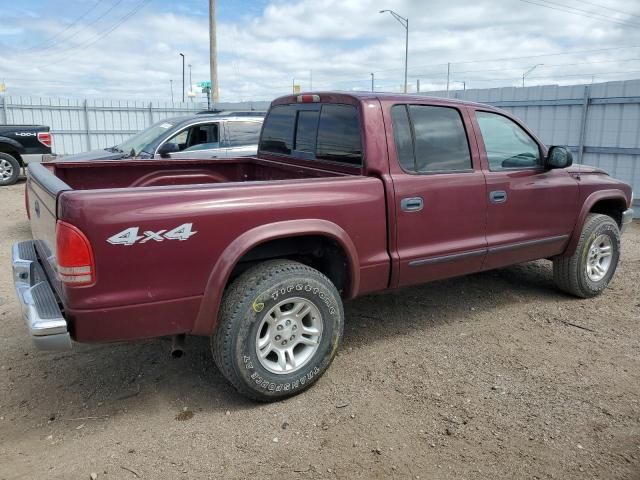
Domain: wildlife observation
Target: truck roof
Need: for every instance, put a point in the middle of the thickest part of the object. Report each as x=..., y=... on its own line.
x=361, y=96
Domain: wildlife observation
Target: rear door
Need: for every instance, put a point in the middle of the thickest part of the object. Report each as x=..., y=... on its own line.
x=439, y=189
x=241, y=137
x=531, y=211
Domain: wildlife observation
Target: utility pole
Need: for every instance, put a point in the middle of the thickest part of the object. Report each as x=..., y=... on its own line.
x=448, y=77
x=372, y=80
x=171, y=84
x=182, y=55
x=213, y=52
x=418, y=85
x=405, y=23
x=190, y=82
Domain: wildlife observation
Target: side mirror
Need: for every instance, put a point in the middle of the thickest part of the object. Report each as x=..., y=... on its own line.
x=559, y=157
x=167, y=149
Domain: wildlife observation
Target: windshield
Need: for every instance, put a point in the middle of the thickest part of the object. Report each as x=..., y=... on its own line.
x=136, y=144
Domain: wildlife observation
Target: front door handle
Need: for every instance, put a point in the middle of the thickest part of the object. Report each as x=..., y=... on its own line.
x=412, y=204
x=498, y=196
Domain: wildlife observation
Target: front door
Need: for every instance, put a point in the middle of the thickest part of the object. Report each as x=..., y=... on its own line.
x=199, y=141
x=439, y=191
x=530, y=210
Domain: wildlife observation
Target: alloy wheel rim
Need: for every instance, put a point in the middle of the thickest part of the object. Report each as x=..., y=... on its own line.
x=6, y=169
x=289, y=335
x=599, y=258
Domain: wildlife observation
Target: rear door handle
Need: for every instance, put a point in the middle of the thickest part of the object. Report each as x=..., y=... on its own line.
x=412, y=204
x=498, y=196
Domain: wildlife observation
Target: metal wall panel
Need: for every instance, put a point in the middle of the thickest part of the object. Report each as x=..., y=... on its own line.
x=81, y=125
x=609, y=137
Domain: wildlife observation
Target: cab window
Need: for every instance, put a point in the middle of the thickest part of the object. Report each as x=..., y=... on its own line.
x=507, y=145
x=430, y=139
x=329, y=132
x=197, y=137
x=243, y=133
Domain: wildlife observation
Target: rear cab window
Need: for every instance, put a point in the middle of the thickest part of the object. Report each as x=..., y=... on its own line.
x=317, y=132
x=430, y=139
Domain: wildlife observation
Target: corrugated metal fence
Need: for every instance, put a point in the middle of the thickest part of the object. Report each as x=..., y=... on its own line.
x=600, y=122
x=81, y=125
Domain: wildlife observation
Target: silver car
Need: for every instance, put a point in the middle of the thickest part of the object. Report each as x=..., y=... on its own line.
x=194, y=136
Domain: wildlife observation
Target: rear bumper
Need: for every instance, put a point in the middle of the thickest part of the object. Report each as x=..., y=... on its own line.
x=47, y=326
x=627, y=218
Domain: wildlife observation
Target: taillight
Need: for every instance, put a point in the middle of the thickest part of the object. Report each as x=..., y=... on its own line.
x=45, y=138
x=308, y=98
x=74, y=256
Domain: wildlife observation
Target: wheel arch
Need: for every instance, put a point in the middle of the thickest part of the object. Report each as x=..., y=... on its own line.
x=254, y=240
x=607, y=202
x=13, y=148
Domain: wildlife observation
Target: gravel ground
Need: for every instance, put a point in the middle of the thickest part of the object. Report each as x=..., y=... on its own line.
x=494, y=375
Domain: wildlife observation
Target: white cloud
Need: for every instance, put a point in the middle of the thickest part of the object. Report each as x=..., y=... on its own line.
x=338, y=42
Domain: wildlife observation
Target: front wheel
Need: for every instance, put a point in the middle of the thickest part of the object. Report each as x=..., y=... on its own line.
x=589, y=270
x=279, y=328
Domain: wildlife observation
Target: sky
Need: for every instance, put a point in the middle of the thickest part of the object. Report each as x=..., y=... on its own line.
x=129, y=49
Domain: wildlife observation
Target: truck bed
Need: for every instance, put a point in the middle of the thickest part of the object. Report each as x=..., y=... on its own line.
x=160, y=172
x=128, y=209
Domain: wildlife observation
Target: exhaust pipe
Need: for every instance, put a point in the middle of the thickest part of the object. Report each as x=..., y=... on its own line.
x=177, y=345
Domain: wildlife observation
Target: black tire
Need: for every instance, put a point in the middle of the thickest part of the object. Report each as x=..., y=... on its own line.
x=570, y=273
x=11, y=166
x=251, y=298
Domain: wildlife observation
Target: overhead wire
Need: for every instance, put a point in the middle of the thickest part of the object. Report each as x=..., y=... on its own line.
x=67, y=28
x=576, y=11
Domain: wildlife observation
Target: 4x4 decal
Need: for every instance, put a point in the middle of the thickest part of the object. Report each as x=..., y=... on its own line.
x=129, y=236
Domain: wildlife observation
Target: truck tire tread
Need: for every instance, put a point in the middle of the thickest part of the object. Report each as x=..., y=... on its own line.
x=243, y=290
x=568, y=271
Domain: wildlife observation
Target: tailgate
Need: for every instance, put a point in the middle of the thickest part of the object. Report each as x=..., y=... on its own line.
x=43, y=189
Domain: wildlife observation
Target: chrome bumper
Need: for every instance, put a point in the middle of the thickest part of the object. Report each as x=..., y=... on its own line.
x=627, y=218
x=47, y=327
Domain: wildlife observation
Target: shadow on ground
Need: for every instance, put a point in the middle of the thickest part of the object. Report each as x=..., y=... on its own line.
x=112, y=378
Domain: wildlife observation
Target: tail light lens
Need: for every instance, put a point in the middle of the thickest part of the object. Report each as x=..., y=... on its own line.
x=74, y=256
x=45, y=138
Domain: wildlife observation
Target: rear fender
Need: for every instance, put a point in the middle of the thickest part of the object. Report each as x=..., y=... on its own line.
x=207, y=319
x=595, y=197
x=12, y=143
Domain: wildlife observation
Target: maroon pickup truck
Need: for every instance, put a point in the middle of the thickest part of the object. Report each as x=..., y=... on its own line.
x=349, y=194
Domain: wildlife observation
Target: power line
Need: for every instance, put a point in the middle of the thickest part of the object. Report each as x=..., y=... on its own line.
x=608, y=8
x=589, y=12
x=575, y=11
x=106, y=32
x=456, y=72
x=84, y=27
x=56, y=35
x=505, y=59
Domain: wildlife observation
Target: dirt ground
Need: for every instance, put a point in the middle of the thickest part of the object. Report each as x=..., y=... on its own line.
x=495, y=375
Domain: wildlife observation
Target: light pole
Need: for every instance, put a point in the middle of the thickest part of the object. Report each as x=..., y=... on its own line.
x=171, y=84
x=524, y=75
x=405, y=23
x=190, y=81
x=372, y=79
x=182, y=55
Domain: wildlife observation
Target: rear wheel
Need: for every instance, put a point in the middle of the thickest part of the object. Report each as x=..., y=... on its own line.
x=9, y=169
x=589, y=270
x=279, y=328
